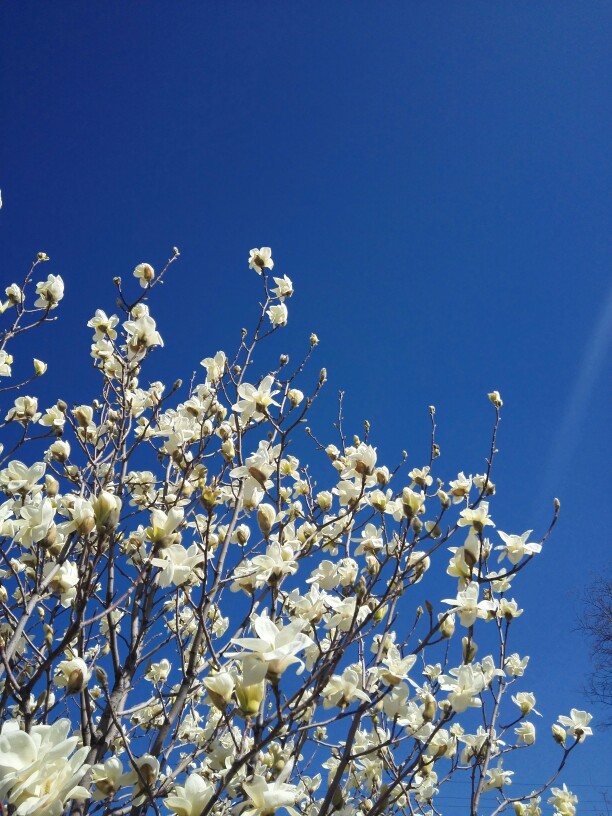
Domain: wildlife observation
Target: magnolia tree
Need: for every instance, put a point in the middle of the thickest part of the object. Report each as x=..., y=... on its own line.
x=195, y=621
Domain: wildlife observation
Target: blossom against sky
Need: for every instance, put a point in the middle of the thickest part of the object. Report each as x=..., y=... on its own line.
x=436, y=183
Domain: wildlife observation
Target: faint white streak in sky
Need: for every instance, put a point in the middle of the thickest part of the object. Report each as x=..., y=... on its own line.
x=585, y=388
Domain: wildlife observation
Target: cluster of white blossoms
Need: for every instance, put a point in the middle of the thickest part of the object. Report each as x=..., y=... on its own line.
x=204, y=609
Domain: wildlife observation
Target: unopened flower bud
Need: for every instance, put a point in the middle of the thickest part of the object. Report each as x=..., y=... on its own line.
x=39, y=367
x=51, y=486
x=249, y=698
x=444, y=499
x=243, y=534
x=447, y=627
x=266, y=516
x=372, y=564
x=295, y=396
x=209, y=497
x=50, y=538
x=429, y=709
x=495, y=399
x=83, y=415
x=332, y=451
x=59, y=451
x=469, y=649
x=107, y=508
x=314, y=340
x=324, y=499
x=380, y=611
x=220, y=688
x=559, y=734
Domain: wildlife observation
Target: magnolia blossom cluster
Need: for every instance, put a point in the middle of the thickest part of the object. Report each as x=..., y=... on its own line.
x=205, y=609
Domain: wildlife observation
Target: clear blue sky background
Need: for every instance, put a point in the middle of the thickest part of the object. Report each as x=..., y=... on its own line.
x=434, y=177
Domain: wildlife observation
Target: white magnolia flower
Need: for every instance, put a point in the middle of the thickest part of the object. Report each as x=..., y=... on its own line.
x=40, y=770
x=102, y=325
x=275, y=645
x=142, y=334
x=163, y=526
x=464, y=684
x=177, y=564
x=343, y=689
x=145, y=274
x=476, y=517
x=370, y=540
x=220, y=687
x=515, y=546
x=346, y=612
x=359, y=462
x=283, y=288
x=15, y=294
x=54, y=418
x=255, y=400
x=278, y=314
x=24, y=410
x=158, y=672
x=19, y=478
x=64, y=580
x=515, y=665
x=421, y=477
x=191, y=798
x=49, y=292
x=73, y=675
x=260, y=259
x=563, y=800
x=5, y=363
x=35, y=523
x=577, y=724
x=497, y=777
x=215, y=366
x=145, y=776
x=526, y=733
x=277, y=562
x=460, y=487
x=468, y=607
x=107, y=777
x=267, y=797
x=396, y=666
x=476, y=744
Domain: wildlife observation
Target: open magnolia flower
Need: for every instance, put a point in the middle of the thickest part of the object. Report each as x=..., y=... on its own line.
x=73, y=675
x=260, y=259
x=265, y=798
x=577, y=724
x=468, y=607
x=277, y=646
x=191, y=798
x=40, y=771
x=515, y=547
x=255, y=401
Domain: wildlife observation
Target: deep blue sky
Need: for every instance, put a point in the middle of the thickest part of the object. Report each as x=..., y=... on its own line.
x=434, y=177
